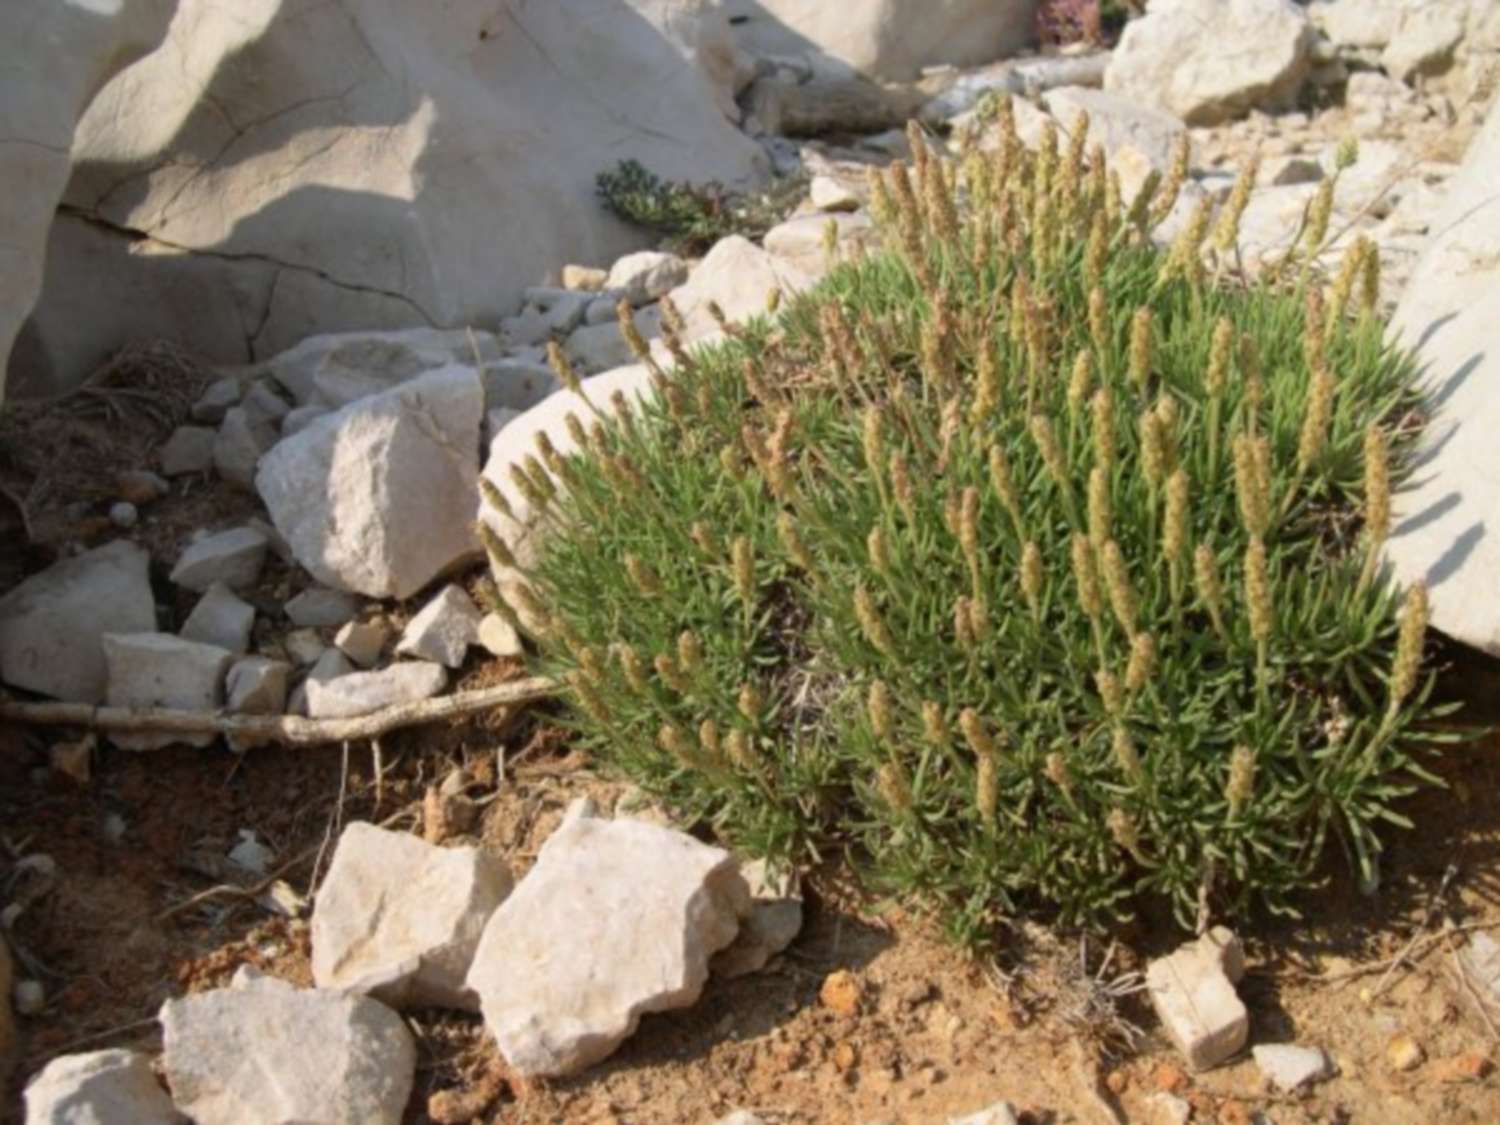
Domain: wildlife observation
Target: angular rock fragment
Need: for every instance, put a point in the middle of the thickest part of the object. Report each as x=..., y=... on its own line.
x=644, y=276
x=1193, y=993
x=262, y=1052
x=617, y=918
x=359, y=693
x=1001, y=1113
x=51, y=624
x=220, y=619
x=400, y=919
x=1289, y=1067
x=157, y=670
x=232, y=557
x=319, y=606
x=363, y=641
x=257, y=686
x=190, y=449
x=443, y=629
x=239, y=445
x=100, y=1086
x=774, y=921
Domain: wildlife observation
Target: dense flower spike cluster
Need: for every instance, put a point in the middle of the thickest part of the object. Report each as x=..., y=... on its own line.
x=1035, y=566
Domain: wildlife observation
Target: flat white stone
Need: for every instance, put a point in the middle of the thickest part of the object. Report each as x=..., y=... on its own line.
x=220, y=618
x=319, y=606
x=644, y=276
x=827, y=194
x=157, y=670
x=257, y=686
x=359, y=693
x=363, y=641
x=232, y=557
x=499, y=637
x=616, y=919
x=400, y=919
x=102, y=1087
x=262, y=1052
x=1289, y=1067
x=443, y=629
x=1193, y=993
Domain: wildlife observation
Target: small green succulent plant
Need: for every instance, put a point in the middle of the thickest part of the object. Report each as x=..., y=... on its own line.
x=1027, y=564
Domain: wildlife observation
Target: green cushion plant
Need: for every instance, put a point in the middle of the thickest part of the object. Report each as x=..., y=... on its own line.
x=1028, y=564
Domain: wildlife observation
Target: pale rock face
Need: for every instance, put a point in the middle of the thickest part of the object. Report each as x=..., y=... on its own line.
x=376, y=498
x=232, y=557
x=101, y=1086
x=298, y=167
x=1290, y=1067
x=360, y=693
x=617, y=919
x=1001, y=1113
x=827, y=194
x=1193, y=993
x=157, y=670
x=1115, y=122
x=257, y=686
x=54, y=58
x=400, y=919
x=1424, y=40
x=51, y=624
x=1445, y=519
x=383, y=359
x=888, y=39
x=1209, y=61
x=262, y=1052
x=741, y=277
x=773, y=923
x=1358, y=23
x=220, y=619
x=802, y=241
x=644, y=276
x=443, y=629
x=190, y=449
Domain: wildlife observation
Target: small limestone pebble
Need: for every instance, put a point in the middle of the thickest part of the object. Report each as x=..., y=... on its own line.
x=1163, y=1108
x=841, y=992
x=320, y=606
x=443, y=629
x=362, y=641
x=359, y=693
x=1001, y=1113
x=101, y=1086
x=1404, y=1053
x=29, y=997
x=123, y=514
x=1290, y=1067
x=140, y=486
x=587, y=278
x=829, y=195
x=233, y=557
x=1193, y=993
x=499, y=637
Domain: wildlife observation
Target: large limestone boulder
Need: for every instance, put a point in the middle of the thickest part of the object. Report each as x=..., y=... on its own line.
x=54, y=58
x=281, y=168
x=378, y=498
x=399, y=918
x=263, y=1052
x=100, y=1086
x=1209, y=61
x=1446, y=530
x=51, y=625
x=618, y=918
x=890, y=39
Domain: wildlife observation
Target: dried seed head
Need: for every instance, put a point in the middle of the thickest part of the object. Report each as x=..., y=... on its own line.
x=1252, y=488
x=540, y=478
x=1047, y=445
x=495, y=498
x=708, y=742
x=633, y=669
x=671, y=316
x=963, y=627
x=1153, y=449
x=1347, y=153
x=1343, y=286
x=1177, y=173
x=1101, y=508
x=1142, y=662
x=1056, y=768
x=1121, y=593
x=1313, y=325
x=750, y=702
x=1318, y=213
x=1103, y=429
x=879, y=707
x=739, y=748
x=1110, y=692
x=975, y=734
x=1124, y=832
x=792, y=544
x=1125, y=754
x=1369, y=281
x=1315, y=420
x=1003, y=484
x=689, y=653
x=1086, y=577
x=1258, y=591
x=670, y=674
x=527, y=487
x=1098, y=250
x=576, y=433
x=1098, y=320
x=873, y=440
x=674, y=740
x=705, y=540
x=1081, y=382
x=1031, y=577
x=625, y=318
x=557, y=359
x=895, y=790
x=1241, y=785
x=1377, y=484
x=495, y=547
x=588, y=697
x=1140, y=347
x=987, y=788
x=987, y=386
x=901, y=487
x=968, y=524
x=934, y=728
x=1409, y=643
x=1227, y=230
x=1174, y=539
x=645, y=579
x=880, y=557
x=742, y=560
x=1206, y=575
x=1218, y=357
x=871, y=623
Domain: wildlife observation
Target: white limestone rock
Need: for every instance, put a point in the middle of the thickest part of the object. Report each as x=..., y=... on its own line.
x=827, y=194
x=617, y=919
x=363, y=641
x=1209, y=61
x=51, y=624
x=330, y=665
x=353, y=364
x=1445, y=519
x=220, y=619
x=232, y=557
x=158, y=670
x=190, y=449
x=802, y=241
x=377, y=498
x=1115, y=122
x=773, y=923
x=263, y=1052
x=216, y=400
x=516, y=384
x=257, y=686
x=359, y=693
x=319, y=607
x=646, y=275
x=1193, y=993
x=239, y=445
x=1424, y=39
x=498, y=636
x=399, y=918
x=740, y=276
x=443, y=629
x=103, y=1087
x=1001, y=1113
x=1289, y=1067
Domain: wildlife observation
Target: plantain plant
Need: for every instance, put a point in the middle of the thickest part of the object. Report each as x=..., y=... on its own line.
x=1028, y=565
